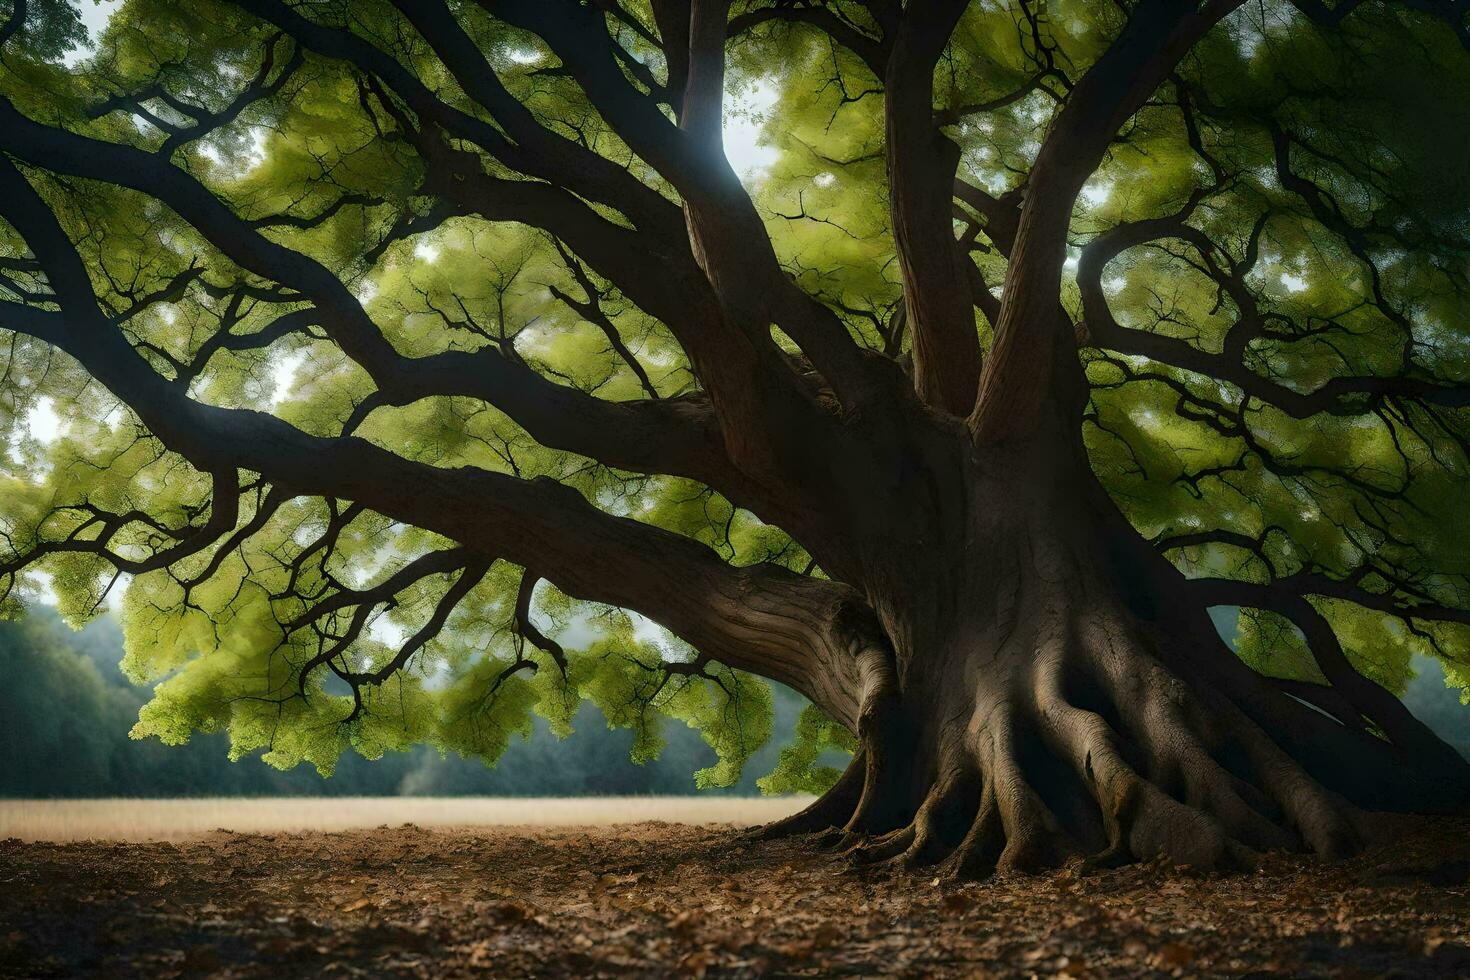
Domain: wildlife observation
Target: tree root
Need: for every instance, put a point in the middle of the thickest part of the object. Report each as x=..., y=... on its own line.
x=829, y=810
x=1099, y=753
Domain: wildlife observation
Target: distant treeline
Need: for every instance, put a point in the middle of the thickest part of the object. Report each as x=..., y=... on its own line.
x=65, y=711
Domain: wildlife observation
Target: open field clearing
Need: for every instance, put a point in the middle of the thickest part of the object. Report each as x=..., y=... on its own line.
x=662, y=899
x=177, y=820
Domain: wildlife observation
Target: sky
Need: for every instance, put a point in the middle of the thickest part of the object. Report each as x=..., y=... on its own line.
x=95, y=15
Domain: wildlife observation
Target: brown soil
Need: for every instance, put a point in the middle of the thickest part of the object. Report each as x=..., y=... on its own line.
x=655, y=899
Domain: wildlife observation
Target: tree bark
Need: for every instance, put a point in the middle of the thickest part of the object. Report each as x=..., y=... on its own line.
x=921, y=173
x=1045, y=690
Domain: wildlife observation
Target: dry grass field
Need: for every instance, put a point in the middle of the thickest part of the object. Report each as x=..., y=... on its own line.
x=177, y=820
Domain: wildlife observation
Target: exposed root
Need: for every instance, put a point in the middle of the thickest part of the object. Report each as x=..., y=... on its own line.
x=1184, y=731
x=1327, y=824
x=941, y=819
x=831, y=809
x=937, y=826
x=862, y=801
x=1211, y=826
x=886, y=747
x=1034, y=839
x=981, y=847
x=1094, y=750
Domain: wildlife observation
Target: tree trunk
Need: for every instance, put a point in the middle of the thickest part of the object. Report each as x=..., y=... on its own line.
x=1043, y=690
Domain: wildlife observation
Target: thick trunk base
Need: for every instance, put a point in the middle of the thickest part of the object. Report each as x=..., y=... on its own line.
x=1042, y=691
x=1082, y=738
x=1092, y=750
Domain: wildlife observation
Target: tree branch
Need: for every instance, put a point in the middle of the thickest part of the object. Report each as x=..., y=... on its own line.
x=921, y=175
x=798, y=630
x=1366, y=697
x=640, y=435
x=1032, y=355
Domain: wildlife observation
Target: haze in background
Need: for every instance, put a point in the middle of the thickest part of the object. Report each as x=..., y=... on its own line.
x=65, y=711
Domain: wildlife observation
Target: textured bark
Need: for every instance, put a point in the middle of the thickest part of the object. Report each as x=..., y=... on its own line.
x=1045, y=692
x=921, y=171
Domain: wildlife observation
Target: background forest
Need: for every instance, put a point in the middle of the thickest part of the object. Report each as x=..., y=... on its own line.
x=66, y=710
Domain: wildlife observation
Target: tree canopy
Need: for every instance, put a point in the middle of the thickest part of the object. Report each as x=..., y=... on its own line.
x=415, y=362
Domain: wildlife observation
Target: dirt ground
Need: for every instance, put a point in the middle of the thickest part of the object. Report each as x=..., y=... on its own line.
x=663, y=899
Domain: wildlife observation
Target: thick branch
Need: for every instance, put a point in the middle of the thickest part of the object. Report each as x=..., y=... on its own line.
x=531, y=148
x=1023, y=371
x=1367, y=697
x=873, y=51
x=763, y=618
x=921, y=175
x=729, y=238
x=643, y=436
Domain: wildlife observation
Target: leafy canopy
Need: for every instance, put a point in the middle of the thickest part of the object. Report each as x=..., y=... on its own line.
x=1305, y=181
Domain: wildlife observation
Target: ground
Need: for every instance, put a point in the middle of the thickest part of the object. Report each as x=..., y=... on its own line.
x=665, y=899
x=187, y=819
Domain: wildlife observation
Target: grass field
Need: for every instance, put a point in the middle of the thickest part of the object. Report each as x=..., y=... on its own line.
x=140, y=820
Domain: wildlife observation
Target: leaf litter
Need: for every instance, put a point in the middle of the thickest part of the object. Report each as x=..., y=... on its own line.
x=661, y=899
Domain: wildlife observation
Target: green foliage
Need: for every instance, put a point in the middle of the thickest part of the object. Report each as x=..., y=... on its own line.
x=1273, y=645
x=1381, y=648
x=732, y=713
x=1181, y=452
x=797, y=770
x=51, y=27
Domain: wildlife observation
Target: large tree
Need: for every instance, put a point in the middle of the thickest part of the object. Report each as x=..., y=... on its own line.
x=1039, y=332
